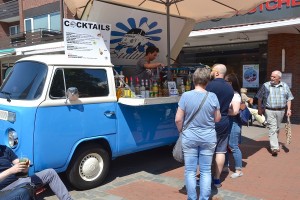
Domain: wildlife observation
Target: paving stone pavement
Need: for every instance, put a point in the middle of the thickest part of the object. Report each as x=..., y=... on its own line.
x=164, y=185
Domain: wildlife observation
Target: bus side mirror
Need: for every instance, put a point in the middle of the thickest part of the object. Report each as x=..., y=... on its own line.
x=72, y=94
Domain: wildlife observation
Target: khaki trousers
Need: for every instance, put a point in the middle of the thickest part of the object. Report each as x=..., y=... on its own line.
x=274, y=119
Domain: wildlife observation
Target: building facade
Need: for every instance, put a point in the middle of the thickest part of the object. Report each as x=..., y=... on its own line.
x=266, y=39
x=26, y=23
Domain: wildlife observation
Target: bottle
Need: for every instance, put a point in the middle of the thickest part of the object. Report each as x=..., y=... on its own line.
x=132, y=88
x=187, y=86
x=127, y=92
x=137, y=87
x=143, y=89
x=147, y=90
x=150, y=88
x=182, y=87
x=155, y=89
x=120, y=91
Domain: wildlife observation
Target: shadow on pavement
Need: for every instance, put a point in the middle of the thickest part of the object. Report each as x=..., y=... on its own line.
x=155, y=161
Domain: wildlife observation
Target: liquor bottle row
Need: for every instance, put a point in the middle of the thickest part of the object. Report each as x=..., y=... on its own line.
x=128, y=88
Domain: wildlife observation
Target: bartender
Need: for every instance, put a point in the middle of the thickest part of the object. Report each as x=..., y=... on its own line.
x=144, y=66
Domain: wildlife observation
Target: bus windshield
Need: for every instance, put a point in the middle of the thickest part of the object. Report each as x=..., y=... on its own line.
x=25, y=81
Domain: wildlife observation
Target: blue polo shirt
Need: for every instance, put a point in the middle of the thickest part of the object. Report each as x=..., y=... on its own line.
x=7, y=156
x=224, y=93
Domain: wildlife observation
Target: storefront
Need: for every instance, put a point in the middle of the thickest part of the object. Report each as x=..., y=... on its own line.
x=267, y=38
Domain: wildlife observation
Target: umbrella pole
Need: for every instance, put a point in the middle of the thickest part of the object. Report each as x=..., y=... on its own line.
x=168, y=40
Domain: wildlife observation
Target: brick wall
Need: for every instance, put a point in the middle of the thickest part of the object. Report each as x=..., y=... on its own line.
x=27, y=4
x=4, y=32
x=291, y=44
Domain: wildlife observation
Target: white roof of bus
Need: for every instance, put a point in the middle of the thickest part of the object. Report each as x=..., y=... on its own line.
x=61, y=59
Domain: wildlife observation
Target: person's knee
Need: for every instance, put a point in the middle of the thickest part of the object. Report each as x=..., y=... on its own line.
x=51, y=172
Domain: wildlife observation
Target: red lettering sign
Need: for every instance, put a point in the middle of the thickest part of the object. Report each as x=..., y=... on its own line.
x=295, y=3
x=275, y=5
x=271, y=5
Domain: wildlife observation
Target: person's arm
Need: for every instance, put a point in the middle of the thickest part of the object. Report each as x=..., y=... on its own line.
x=153, y=65
x=179, y=119
x=289, y=108
x=17, y=167
x=234, y=108
x=259, y=106
x=250, y=101
x=217, y=115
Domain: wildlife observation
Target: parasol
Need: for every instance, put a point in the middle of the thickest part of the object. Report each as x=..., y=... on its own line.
x=198, y=10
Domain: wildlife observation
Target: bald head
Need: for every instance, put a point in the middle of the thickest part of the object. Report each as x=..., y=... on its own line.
x=278, y=73
x=220, y=70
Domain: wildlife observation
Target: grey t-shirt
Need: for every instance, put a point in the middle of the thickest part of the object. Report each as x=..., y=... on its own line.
x=141, y=72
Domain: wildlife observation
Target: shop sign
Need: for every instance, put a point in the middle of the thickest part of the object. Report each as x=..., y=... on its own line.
x=86, y=40
x=276, y=5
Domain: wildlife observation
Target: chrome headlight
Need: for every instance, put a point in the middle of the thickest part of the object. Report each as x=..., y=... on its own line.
x=12, y=138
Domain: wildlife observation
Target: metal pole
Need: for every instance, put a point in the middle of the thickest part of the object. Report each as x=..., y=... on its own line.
x=168, y=40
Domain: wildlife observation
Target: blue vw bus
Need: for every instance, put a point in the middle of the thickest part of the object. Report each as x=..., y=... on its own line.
x=65, y=115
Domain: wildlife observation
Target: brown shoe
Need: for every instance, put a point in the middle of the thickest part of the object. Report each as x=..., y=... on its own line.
x=274, y=152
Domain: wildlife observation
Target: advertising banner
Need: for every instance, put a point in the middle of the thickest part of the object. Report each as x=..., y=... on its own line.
x=86, y=40
x=251, y=76
x=134, y=30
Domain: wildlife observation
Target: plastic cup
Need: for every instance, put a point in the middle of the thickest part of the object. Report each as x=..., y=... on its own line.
x=23, y=174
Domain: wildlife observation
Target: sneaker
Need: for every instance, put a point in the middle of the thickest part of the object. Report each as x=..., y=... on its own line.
x=182, y=190
x=236, y=175
x=225, y=169
x=217, y=183
x=274, y=152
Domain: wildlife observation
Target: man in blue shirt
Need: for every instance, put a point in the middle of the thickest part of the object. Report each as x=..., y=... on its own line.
x=275, y=96
x=10, y=166
x=224, y=94
x=20, y=193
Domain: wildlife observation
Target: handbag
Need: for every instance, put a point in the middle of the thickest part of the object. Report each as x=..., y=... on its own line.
x=177, y=149
x=245, y=114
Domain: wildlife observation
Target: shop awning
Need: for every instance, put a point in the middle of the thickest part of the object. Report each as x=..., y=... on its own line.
x=7, y=52
x=247, y=27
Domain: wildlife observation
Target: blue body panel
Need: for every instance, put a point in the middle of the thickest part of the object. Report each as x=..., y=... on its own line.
x=24, y=126
x=145, y=127
x=59, y=129
x=49, y=135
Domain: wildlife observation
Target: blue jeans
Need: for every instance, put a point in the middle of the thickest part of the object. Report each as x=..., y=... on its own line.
x=234, y=141
x=198, y=153
x=16, y=194
x=47, y=176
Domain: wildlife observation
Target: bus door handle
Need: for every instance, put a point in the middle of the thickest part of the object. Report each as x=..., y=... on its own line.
x=109, y=114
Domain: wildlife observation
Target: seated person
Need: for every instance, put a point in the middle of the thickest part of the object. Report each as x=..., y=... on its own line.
x=20, y=193
x=10, y=166
x=254, y=112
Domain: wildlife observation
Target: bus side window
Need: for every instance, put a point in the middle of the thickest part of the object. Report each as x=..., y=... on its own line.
x=57, y=89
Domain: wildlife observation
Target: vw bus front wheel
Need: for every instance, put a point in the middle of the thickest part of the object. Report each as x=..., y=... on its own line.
x=89, y=167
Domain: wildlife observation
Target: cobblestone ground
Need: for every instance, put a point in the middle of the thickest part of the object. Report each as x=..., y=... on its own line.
x=154, y=175
x=103, y=192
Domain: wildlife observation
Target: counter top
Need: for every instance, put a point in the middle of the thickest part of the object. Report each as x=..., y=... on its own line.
x=148, y=101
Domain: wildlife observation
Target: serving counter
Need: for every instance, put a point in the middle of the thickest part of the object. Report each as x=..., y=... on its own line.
x=149, y=101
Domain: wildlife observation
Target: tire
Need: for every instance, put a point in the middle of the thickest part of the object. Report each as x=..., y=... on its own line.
x=89, y=167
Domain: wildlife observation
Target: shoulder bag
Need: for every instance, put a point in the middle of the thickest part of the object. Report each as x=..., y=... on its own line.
x=177, y=150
